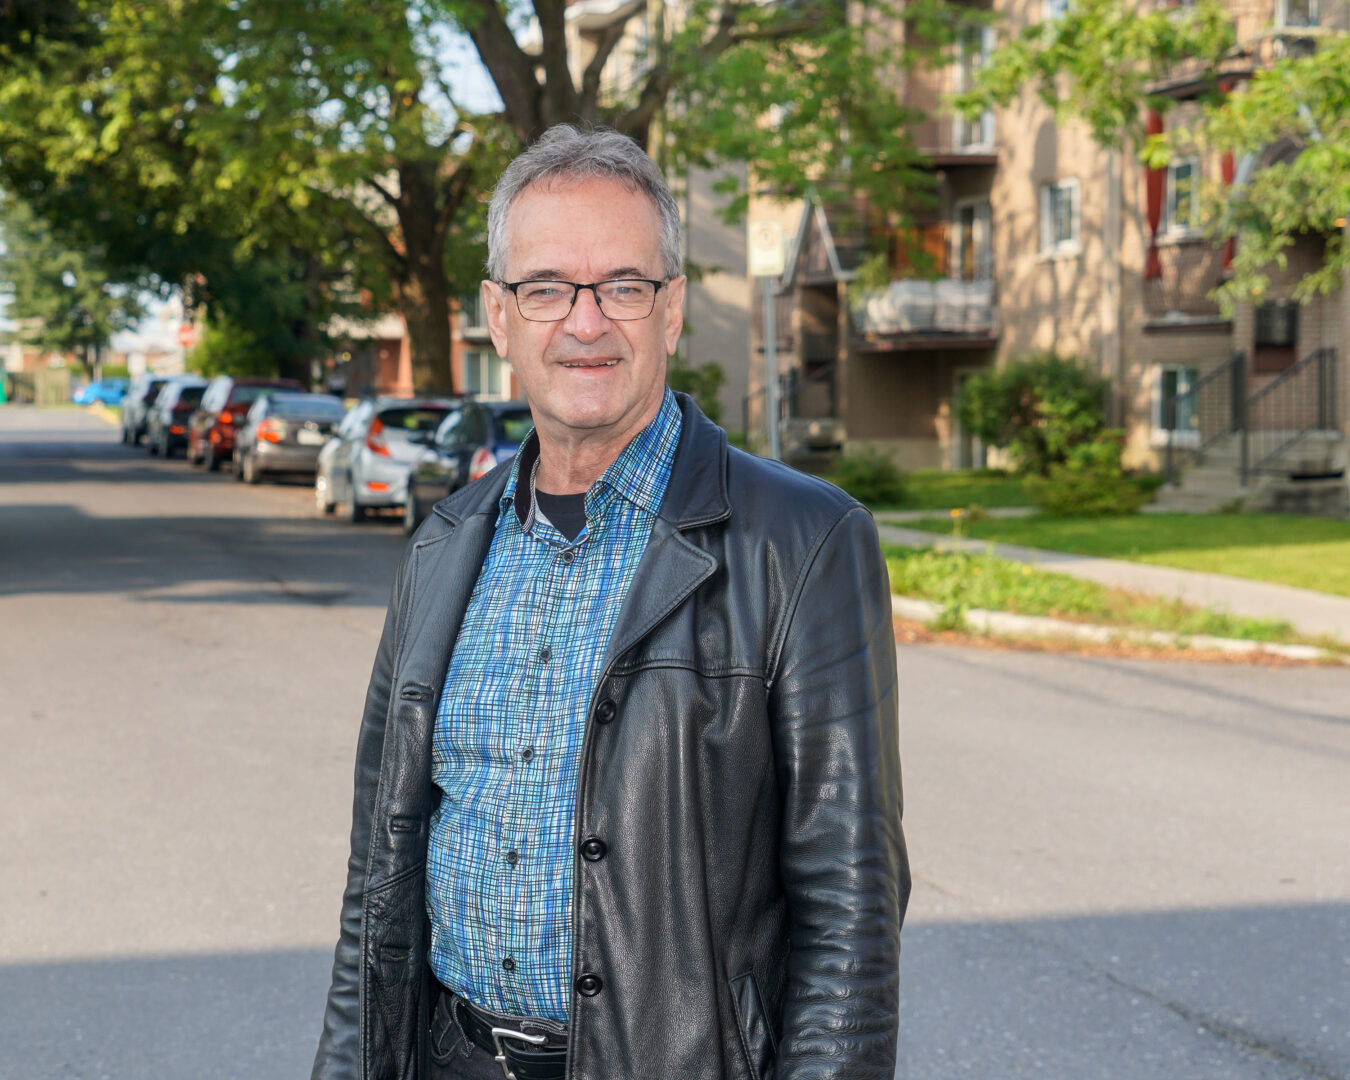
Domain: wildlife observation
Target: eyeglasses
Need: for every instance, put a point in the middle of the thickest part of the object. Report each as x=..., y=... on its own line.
x=551, y=301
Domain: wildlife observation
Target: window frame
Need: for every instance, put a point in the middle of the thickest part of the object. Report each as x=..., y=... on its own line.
x=982, y=239
x=1169, y=225
x=479, y=361
x=1282, y=16
x=984, y=125
x=1187, y=436
x=1051, y=246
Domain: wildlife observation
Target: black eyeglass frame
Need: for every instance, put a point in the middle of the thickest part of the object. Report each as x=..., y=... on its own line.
x=594, y=286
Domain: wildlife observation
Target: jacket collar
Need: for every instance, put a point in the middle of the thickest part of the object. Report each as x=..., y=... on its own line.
x=696, y=494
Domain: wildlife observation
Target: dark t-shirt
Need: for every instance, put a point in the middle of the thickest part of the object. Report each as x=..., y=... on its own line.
x=566, y=512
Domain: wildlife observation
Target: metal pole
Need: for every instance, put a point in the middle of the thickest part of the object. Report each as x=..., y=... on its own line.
x=771, y=372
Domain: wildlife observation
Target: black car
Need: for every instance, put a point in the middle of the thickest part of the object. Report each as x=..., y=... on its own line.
x=283, y=433
x=136, y=406
x=470, y=442
x=166, y=423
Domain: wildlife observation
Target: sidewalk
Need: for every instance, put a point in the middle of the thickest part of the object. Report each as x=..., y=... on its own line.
x=1309, y=612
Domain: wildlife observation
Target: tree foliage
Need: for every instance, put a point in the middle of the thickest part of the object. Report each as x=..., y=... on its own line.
x=1102, y=61
x=59, y=296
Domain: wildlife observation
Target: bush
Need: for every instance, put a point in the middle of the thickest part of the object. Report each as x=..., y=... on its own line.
x=870, y=477
x=701, y=383
x=1037, y=409
x=1090, y=483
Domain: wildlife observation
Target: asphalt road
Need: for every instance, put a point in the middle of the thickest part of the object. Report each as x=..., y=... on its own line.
x=1122, y=869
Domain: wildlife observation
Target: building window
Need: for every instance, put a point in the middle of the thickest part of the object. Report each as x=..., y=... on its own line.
x=1174, y=418
x=972, y=249
x=975, y=47
x=1182, y=180
x=1276, y=337
x=472, y=318
x=1052, y=10
x=485, y=374
x=1297, y=13
x=1061, y=217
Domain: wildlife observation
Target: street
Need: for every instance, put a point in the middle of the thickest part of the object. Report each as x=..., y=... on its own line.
x=1123, y=870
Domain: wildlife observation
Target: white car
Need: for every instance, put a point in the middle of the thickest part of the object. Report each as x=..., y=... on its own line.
x=365, y=465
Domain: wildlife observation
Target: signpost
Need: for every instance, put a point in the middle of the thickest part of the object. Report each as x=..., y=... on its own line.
x=768, y=261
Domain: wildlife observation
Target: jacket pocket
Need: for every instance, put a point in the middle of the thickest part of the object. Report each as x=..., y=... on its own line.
x=757, y=1038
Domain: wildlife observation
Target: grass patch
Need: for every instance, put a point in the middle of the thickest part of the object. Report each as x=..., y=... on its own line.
x=1308, y=553
x=961, y=581
x=938, y=489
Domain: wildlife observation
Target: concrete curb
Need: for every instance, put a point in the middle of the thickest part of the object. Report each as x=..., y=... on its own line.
x=104, y=413
x=1038, y=626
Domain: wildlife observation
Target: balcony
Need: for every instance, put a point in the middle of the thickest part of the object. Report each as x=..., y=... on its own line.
x=915, y=314
x=1190, y=271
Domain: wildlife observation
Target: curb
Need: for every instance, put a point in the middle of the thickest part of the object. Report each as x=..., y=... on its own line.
x=103, y=413
x=1039, y=626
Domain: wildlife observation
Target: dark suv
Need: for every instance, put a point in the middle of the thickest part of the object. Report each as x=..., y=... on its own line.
x=211, y=430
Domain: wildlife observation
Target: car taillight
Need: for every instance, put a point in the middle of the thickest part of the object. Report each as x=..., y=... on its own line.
x=226, y=417
x=175, y=429
x=270, y=431
x=481, y=463
x=375, y=438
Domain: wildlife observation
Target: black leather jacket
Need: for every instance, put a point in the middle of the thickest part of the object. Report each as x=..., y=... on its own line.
x=740, y=764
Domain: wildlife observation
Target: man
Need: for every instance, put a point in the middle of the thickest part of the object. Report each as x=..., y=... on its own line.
x=627, y=784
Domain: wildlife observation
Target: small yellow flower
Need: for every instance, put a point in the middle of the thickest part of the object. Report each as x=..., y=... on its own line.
x=1026, y=570
x=959, y=512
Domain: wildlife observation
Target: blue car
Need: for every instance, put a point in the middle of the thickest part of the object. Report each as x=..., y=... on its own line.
x=107, y=391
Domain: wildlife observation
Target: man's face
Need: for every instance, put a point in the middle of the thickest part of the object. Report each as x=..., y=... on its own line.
x=586, y=376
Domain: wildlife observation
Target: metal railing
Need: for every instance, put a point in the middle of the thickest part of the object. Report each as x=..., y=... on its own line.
x=1299, y=401
x=1202, y=414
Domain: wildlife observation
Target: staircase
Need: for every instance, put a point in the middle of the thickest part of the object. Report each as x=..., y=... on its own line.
x=1278, y=449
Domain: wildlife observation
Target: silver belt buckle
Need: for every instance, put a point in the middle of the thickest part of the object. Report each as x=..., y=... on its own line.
x=498, y=1034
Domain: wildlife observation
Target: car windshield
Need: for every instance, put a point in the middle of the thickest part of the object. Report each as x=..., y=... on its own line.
x=514, y=426
x=190, y=395
x=245, y=395
x=408, y=421
x=316, y=406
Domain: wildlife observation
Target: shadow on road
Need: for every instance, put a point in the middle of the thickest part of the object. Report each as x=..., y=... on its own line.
x=1232, y=994
x=58, y=549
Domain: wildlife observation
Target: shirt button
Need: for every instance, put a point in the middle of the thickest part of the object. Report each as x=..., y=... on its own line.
x=606, y=711
x=567, y=556
x=508, y=964
x=545, y=655
x=589, y=985
x=593, y=849
x=513, y=857
x=527, y=754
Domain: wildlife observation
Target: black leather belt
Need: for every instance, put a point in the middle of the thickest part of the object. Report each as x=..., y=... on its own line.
x=525, y=1048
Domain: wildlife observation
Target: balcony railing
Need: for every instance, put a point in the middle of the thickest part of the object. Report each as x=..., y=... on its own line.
x=929, y=308
x=1190, y=272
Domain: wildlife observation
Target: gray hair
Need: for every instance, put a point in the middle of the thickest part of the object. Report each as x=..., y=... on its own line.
x=564, y=153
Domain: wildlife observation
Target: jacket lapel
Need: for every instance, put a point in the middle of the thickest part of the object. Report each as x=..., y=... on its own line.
x=674, y=563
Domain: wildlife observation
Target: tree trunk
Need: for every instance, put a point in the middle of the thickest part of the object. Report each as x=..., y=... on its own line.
x=424, y=291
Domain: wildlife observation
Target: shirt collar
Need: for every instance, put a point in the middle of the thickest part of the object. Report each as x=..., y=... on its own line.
x=639, y=474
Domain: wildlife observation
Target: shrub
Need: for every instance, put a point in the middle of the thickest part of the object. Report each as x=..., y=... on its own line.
x=1038, y=409
x=870, y=477
x=701, y=383
x=1090, y=483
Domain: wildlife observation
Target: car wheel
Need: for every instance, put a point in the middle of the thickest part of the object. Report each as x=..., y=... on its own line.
x=126, y=436
x=191, y=455
x=321, y=494
x=166, y=447
x=212, y=462
x=152, y=446
x=352, y=511
x=136, y=438
x=249, y=466
x=410, y=519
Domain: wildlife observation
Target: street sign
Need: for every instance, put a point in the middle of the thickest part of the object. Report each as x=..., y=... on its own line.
x=187, y=335
x=764, y=249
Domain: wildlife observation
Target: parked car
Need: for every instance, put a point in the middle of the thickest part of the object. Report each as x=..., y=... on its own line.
x=284, y=432
x=365, y=465
x=136, y=406
x=166, y=427
x=224, y=405
x=109, y=391
x=470, y=442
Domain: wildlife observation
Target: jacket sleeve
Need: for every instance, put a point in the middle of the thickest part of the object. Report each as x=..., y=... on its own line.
x=338, y=1057
x=833, y=702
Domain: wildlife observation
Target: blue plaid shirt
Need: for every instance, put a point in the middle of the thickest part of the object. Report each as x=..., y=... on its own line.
x=507, y=744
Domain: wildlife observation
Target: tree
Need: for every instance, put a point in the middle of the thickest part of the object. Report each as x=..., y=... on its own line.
x=1100, y=61
x=340, y=124
x=61, y=298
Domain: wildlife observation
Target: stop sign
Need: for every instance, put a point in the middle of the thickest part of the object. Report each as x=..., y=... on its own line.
x=187, y=335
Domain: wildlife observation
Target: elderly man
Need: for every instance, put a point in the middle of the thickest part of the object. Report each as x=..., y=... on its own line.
x=627, y=783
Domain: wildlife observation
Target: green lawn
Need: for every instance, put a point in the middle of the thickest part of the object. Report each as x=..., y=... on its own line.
x=1310, y=553
x=936, y=489
x=962, y=580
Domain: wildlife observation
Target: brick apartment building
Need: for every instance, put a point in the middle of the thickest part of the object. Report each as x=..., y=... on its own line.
x=1047, y=241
